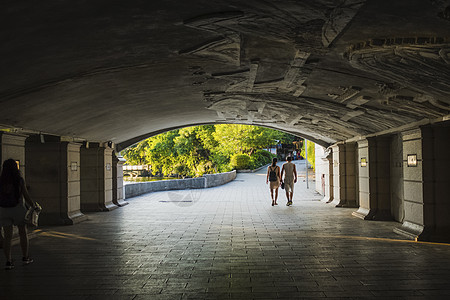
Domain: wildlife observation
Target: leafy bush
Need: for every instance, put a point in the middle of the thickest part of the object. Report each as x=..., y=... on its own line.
x=241, y=161
x=181, y=170
x=264, y=157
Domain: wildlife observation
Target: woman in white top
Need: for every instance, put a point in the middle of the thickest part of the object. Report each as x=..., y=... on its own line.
x=13, y=192
x=273, y=175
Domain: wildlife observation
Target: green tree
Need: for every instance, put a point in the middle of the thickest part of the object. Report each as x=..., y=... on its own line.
x=311, y=148
x=246, y=138
x=198, y=150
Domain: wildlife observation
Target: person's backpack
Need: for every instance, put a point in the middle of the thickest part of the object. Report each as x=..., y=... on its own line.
x=8, y=199
x=272, y=175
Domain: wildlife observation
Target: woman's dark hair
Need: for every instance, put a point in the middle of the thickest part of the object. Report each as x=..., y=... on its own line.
x=274, y=162
x=10, y=176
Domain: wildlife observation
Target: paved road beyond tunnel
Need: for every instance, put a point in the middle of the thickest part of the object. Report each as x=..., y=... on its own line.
x=228, y=242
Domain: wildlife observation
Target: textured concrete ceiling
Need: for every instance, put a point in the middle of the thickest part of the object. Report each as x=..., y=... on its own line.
x=119, y=71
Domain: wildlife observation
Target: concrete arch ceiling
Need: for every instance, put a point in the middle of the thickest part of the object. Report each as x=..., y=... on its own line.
x=119, y=71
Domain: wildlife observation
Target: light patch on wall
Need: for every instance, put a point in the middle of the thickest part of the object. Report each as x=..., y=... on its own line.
x=412, y=160
x=363, y=162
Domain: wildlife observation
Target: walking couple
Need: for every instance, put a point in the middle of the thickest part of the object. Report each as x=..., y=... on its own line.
x=276, y=179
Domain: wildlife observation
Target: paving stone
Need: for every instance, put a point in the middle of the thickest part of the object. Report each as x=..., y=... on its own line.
x=229, y=243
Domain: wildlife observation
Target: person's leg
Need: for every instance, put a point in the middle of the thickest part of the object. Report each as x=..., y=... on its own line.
x=23, y=240
x=7, y=237
x=292, y=191
x=271, y=195
x=288, y=188
x=276, y=195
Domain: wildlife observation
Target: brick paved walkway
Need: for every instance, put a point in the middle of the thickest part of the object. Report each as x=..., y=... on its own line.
x=228, y=242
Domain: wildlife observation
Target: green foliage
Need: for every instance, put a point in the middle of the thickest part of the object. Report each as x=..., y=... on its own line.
x=241, y=161
x=311, y=153
x=198, y=150
x=262, y=157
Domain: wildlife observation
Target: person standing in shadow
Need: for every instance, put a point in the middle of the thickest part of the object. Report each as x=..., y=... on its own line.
x=290, y=177
x=13, y=192
x=273, y=175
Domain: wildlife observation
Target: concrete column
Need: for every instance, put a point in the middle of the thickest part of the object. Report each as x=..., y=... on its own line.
x=320, y=169
x=436, y=182
x=397, y=209
x=53, y=174
x=96, y=178
x=12, y=145
x=363, y=180
x=413, y=222
x=344, y=175
x=374, y=179
x=324, y=173
x=329, y=190
x=118, y=194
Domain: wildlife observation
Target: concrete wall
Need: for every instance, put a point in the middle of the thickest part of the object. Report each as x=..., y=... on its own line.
x=396, y=181
x=211, y=180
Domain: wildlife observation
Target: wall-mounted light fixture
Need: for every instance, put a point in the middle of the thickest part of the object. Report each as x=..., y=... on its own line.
x=73, y=166
x=108, y=167
x=412, y=160
x=363, y=162
x=18, y=164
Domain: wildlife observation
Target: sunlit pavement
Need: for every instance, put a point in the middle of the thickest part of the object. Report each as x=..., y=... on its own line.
x=228, y=242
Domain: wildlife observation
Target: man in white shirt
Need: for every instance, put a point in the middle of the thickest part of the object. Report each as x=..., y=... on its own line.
x=290, y=177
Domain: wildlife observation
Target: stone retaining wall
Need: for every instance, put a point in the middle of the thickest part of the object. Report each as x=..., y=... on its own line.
x=209, y=180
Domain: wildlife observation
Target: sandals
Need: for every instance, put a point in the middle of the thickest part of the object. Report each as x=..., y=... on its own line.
x=9, y=265
x=27, y=260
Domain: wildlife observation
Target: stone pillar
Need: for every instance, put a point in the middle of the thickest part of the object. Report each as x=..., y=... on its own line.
x=324, y=173
x=413, y=222
x=436, y=182
x=374, y=179
x=12, y=145
x=363, y=179
x=344, y=175
x=117, y=175
x=96, y=178
x=53, y=174
x=397, y=209
x=329, y=189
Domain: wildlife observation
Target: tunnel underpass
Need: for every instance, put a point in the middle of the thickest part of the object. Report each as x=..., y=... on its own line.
x=366, y=80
